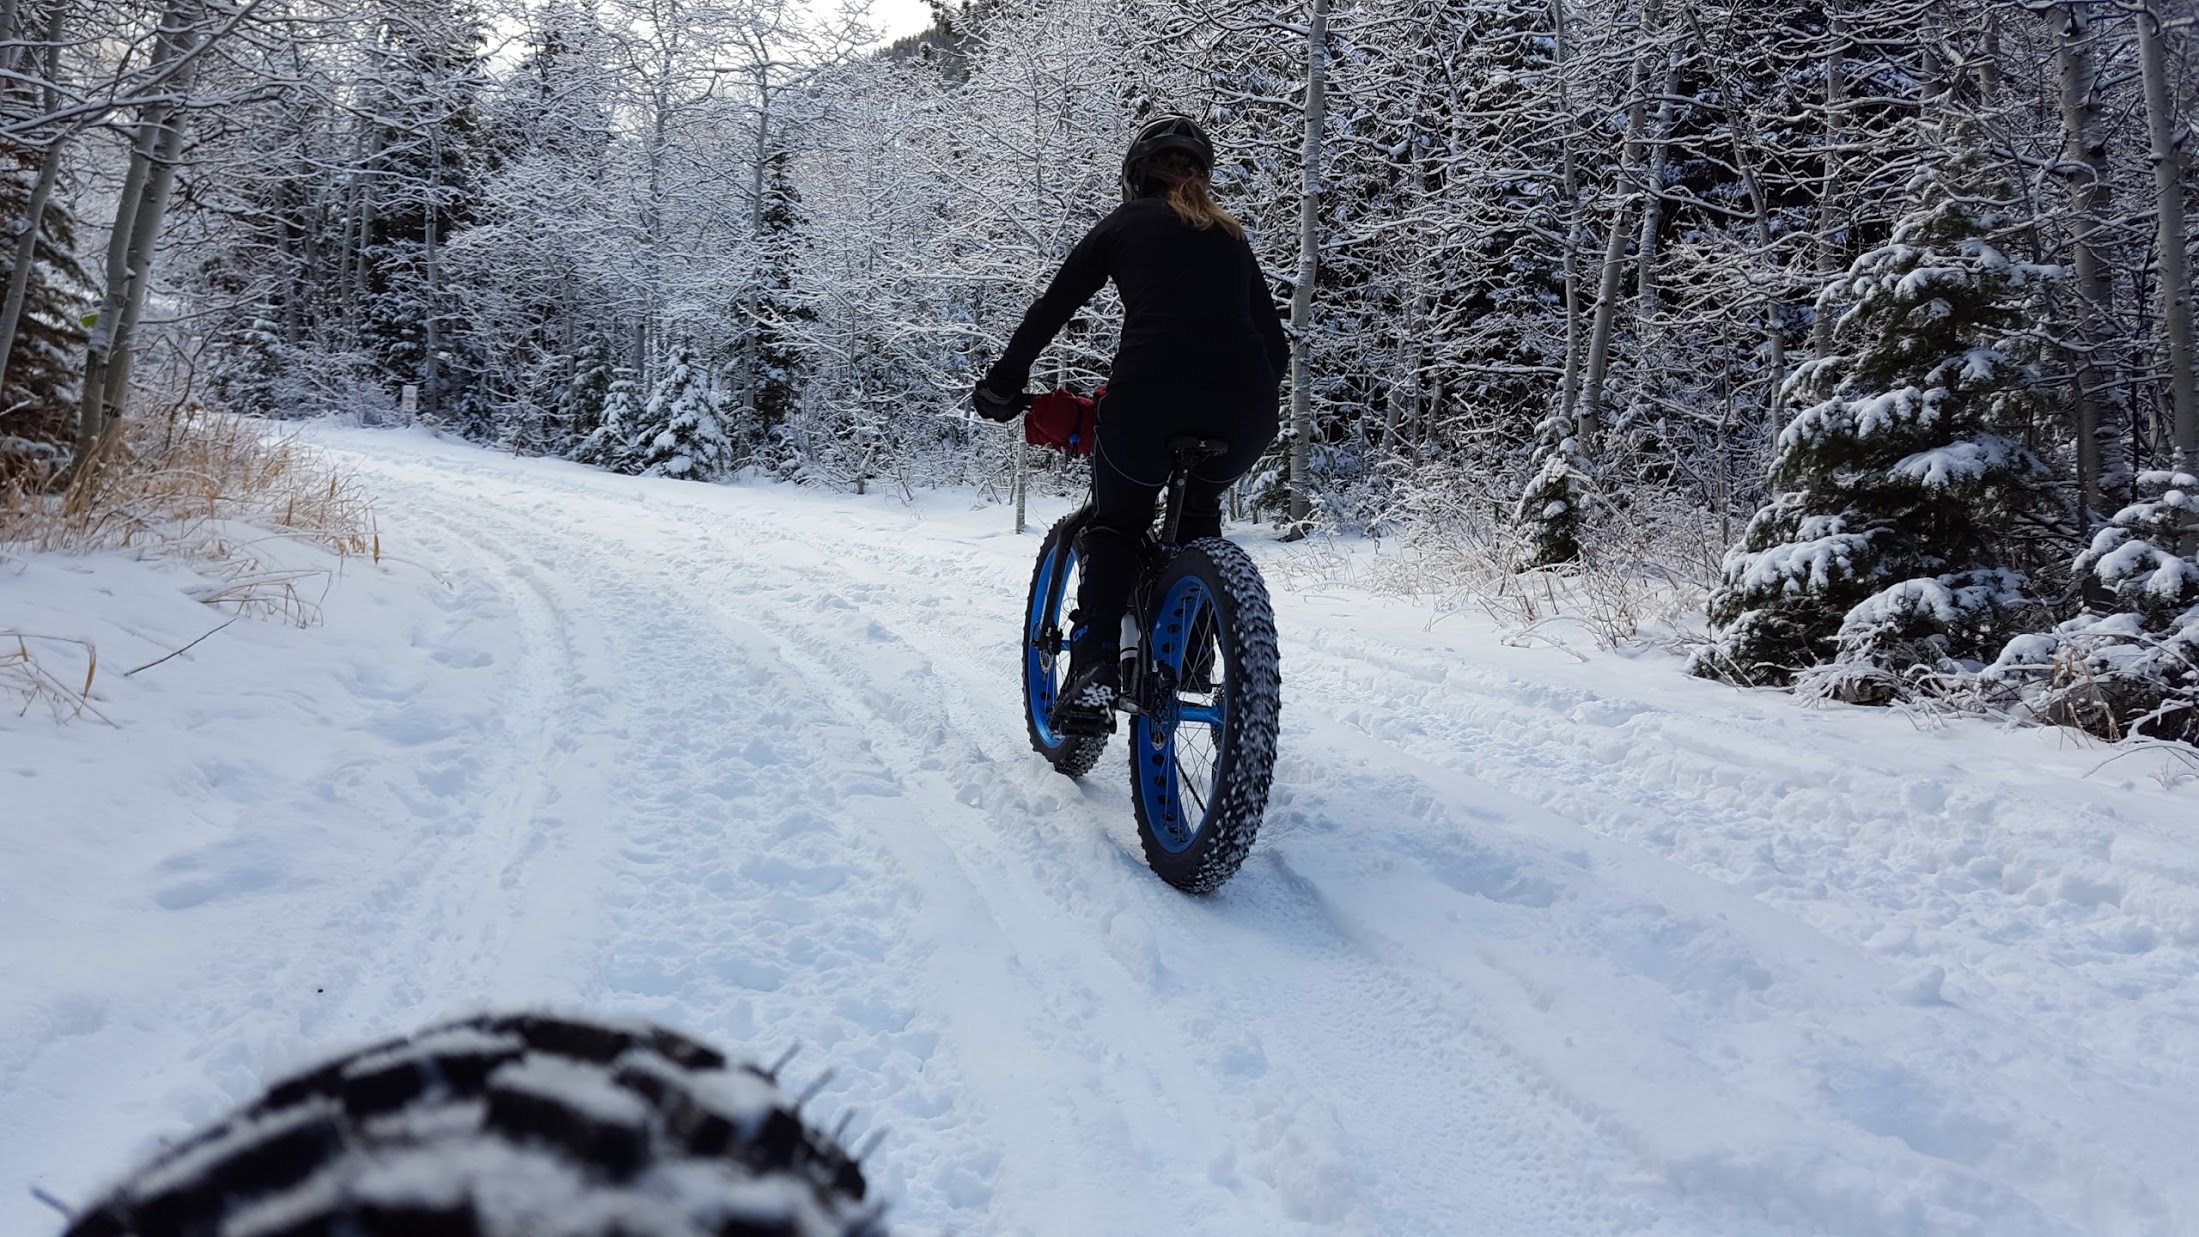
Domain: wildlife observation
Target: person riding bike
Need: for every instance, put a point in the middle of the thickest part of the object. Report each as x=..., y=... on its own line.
x=1202, y=352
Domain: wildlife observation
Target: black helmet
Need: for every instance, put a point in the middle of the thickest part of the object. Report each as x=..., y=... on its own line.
x=1164, y=133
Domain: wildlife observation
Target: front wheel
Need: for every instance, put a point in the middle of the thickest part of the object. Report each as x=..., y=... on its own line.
x=1046, y=635
x=1203, y=743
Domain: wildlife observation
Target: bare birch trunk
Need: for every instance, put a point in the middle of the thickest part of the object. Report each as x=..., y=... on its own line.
x=2100, y=462
x=1828, y=196
x=1569, y=177
x=1645, y=255
x=1989, y=79
x=138, y=212
x=144, y=237
x=1412, y=351
x=1741, y=134
x=2175, y=281
x=8, y=27
x=431, y=400
x=357, y=296
x=751, y=355
x=1309, y=262
x=26, y=254
x=1614, y=256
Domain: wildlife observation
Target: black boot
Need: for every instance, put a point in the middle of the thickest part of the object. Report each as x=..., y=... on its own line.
x=1087, y=701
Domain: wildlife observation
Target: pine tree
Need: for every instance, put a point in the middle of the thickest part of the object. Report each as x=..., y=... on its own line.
x=609, y=442
x=2130, y=666
x=580, y=406
x=766, y=359
x=434, y=147
x=38, y=398
x=1551, y=506
x=680, y=432
x=1886, y=544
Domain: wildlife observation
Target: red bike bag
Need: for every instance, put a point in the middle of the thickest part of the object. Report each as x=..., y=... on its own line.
x=1063, y=420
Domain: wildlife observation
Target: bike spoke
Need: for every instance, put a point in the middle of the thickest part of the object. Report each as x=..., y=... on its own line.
x=1191, y=786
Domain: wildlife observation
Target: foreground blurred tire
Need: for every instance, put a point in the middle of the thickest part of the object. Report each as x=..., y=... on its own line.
x=504, y=1126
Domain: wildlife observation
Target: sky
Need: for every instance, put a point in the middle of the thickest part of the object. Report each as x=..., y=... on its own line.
x=897, y=17
x=893, y=18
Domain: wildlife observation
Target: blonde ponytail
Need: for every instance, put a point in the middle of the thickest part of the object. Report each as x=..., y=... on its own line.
x=1189, y=194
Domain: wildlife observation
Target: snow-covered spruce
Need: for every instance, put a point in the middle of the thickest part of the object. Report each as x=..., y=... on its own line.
x=521, y=1125
x=609, y=444
x=581, y=405
x=1551, y=507
x=41, y=343
x=2133, y=667
x=1888, y=544
x=680, y=433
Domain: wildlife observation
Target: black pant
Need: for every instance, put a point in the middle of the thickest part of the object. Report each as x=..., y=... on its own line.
x=1129, y=471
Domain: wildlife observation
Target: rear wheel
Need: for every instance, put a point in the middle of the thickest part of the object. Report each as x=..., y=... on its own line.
x=501, y=1126
x=1046, y=635
x=1203, y=745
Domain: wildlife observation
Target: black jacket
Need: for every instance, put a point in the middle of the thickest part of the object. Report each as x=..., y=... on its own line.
x=1197, y=314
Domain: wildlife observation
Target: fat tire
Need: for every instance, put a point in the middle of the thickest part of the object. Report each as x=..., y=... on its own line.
x=1245, y=752
x=1071, y=755
x=498, y=1126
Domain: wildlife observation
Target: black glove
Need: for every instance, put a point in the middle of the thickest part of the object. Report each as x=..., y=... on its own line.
x=993, y=406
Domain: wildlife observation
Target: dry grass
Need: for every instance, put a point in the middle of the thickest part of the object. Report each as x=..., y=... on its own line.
x=177, y=487
x=24, y=676
x=221, y=491
x=1641, y=583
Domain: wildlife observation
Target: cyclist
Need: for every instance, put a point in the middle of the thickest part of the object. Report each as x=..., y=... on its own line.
x=1202, y=352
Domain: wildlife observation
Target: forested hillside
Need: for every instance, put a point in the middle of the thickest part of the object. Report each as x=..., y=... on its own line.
x=1870, y=318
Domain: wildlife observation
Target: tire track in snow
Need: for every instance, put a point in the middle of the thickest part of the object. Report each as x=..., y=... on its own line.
x=1168, y=1008
x=1313, y=1175
x=475, y=919
x=1373, y=1029
x=1427, y=1091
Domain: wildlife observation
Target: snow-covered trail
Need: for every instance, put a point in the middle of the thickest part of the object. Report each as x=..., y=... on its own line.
x=1527, y=946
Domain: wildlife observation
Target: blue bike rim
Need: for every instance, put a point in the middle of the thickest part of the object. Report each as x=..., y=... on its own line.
x=1042, y=665
x=1177, y=796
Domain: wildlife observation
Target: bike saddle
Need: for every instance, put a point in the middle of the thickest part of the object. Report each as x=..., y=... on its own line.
x=1192, y=448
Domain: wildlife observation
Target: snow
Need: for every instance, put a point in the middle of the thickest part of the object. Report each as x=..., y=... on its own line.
x=2122, y=557
x=1945, y=600
x=1530, y=944
x=1822, y=551
x=1901, y=411
x=557, y=1079
x=1950, y=464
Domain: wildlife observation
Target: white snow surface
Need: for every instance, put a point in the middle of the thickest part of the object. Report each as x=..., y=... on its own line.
x=1530, y=943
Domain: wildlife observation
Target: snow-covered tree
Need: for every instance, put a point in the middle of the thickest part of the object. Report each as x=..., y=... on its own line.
x=1552, y=509
x=432, y=142
x=1900, y=482
x=2131, y=664
x=766, y=364
x=681, y=431
x=582, y=404
x=46, y=299
x=609, y=442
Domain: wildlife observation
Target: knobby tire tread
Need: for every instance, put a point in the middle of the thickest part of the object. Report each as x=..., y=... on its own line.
x=1075, y=755
x=502, y=1125
x=1246, y=752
